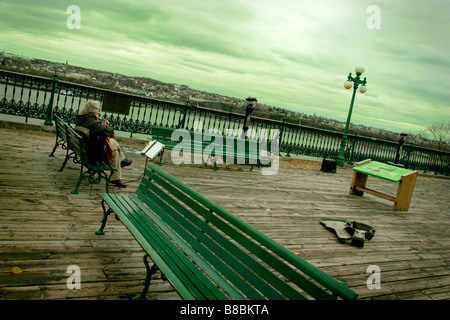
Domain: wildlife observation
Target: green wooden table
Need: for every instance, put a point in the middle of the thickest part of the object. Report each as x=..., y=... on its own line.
x=405, y=178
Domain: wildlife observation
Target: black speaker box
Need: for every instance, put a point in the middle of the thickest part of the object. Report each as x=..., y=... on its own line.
x=329, y=166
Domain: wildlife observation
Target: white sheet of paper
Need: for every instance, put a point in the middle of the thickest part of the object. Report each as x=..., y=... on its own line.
x=152, y=149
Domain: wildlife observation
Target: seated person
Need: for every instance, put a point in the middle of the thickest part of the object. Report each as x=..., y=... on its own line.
x=89, y=124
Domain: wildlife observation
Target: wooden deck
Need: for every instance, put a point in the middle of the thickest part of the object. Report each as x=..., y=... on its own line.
x=44, y=229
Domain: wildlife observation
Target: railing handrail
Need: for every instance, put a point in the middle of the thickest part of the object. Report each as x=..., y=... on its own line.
x=225, y=113
x=295, y=138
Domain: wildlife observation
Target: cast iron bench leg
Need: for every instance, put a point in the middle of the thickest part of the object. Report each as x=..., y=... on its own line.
x=101, y=174
x=80, y=178
x=57, y=143
x=108, y=179
x=105, y=218
x=68, y=156
x=161, y=157
x=148, y=278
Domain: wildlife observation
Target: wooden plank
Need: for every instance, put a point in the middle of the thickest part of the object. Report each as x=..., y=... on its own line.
x=36, y=204
x=376, y=193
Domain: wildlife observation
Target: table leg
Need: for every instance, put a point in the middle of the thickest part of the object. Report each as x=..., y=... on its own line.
x=405, y=191
x=359, y=180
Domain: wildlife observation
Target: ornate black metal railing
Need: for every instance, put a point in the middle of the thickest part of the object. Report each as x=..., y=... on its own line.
x=37, y=97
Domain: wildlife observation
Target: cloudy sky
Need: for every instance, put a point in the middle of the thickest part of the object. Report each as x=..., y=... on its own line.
x=294, y=54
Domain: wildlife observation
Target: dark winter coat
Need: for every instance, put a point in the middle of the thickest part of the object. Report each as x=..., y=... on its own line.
x=90, y=129
x=96, y=128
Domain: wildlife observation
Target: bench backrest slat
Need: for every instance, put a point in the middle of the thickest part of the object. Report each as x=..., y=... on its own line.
x=250, y=245
x=209, y=243
x=232, y=145
x=76, y=143
x=156, y=215
x=178, y=259
x=142, y=238
x=246, y=236
x=60, y=127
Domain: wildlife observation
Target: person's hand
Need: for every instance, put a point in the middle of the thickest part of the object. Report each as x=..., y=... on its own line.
x=105, y=122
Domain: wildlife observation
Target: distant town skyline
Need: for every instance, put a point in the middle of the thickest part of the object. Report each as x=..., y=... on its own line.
x=294, y=55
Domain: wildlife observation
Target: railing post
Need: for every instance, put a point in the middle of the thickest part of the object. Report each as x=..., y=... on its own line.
x=401, y=141
x=48, y=118
x=251, y=103
x=352, y=148
x=183, y=120
x=399, y=149
x=282, y=129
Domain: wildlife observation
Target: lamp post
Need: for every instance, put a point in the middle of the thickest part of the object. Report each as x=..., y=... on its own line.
x=355, y=82
x=48, y=116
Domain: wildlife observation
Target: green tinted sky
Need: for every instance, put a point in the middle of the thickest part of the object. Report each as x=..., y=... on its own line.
x=294, y=54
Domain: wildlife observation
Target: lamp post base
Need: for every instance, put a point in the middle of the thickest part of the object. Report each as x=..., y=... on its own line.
x=340, y=161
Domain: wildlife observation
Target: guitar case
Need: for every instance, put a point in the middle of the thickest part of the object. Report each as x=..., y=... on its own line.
x=354, y=231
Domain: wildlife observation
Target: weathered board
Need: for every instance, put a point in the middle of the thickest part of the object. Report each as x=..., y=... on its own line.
x=44, y=229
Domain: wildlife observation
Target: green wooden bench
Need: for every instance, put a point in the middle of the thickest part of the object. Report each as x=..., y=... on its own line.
x=164, y=136
x=61, y=138
x=74, y=143
x=239, y=155
x=246, y=152
x=206, y=252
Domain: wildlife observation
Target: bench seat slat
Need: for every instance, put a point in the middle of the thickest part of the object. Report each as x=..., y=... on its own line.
x=189, y=279
x=253, y=247
x=169, y=249
x=140, y=238
x=211, y=245
x=189, y=249
x=248, y=260
x=281, y=252
x=100, y=166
